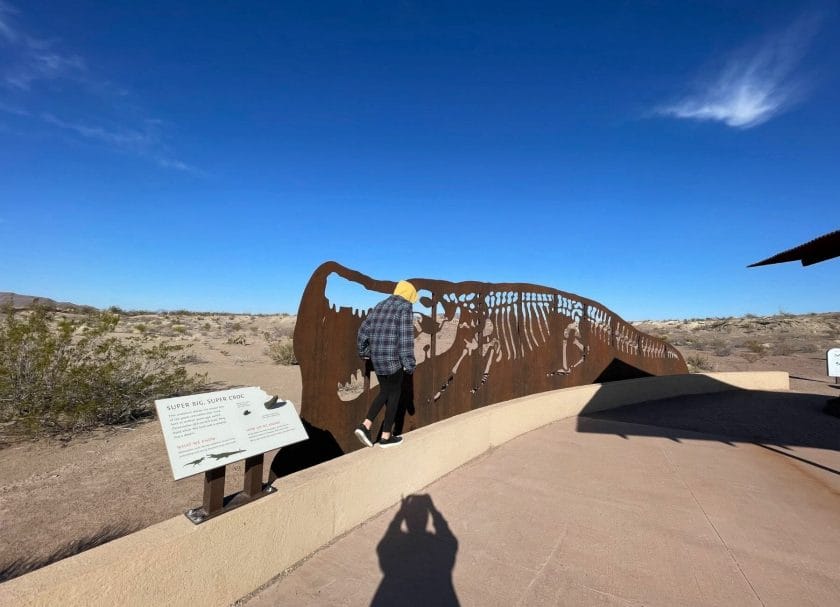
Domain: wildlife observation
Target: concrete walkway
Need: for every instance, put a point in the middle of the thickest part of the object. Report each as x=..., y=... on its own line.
x=683, y=502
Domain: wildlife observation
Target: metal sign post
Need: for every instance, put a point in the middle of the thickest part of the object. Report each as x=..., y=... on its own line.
x=214, y=491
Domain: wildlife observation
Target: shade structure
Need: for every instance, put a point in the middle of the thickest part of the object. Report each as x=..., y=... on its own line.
x=814, y=251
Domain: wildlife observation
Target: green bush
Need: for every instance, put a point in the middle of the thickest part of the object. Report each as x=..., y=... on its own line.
x=281, y=351
x=58, y=374
x=755, y=346
x=698, y=363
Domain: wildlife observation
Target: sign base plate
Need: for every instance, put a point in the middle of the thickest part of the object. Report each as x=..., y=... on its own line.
x=200, y=515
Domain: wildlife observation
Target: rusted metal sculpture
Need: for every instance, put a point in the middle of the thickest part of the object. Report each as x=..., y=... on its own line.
x=476, y=344
x=814, y=251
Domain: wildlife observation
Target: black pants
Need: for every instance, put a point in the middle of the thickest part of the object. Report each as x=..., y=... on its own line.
x=390, y=387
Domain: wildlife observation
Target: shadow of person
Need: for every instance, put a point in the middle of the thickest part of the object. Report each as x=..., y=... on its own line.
x=416, y=564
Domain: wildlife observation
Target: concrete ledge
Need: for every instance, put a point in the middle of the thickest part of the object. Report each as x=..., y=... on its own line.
x=177, y=563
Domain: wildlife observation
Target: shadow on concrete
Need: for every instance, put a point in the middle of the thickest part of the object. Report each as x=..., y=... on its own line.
x=20, y=566
x=778, y=419
x=417, y=564
x=320, y=447
x=619, y=370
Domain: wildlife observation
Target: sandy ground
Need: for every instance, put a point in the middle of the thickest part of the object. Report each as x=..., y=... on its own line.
x=58, y=497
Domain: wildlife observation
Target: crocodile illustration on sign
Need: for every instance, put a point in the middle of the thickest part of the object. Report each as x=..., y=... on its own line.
x=195, y=462
x=476, y=344
x=224, y=455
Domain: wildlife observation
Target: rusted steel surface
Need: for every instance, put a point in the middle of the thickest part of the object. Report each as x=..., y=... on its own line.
x=476, y=343
x=814, y=251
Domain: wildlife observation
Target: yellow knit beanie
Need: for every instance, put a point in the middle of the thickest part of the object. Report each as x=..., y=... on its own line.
x=406, y=290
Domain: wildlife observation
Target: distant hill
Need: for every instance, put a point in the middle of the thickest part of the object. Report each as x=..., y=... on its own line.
x=24, y=302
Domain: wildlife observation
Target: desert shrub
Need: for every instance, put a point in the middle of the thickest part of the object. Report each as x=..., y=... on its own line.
x=237, y=340
x=282, y=351
x=192, y=359
x=783, y=348
x=141, y=328
x=278, y=333
x=754, y=346
x=206, y=326
x=698, y=344
x=698, y=363
x=58, y=374
x=137, y=312
x=721, y=348
x=179, y=329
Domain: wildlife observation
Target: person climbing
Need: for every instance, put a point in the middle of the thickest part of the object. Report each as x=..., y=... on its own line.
x=386, y=337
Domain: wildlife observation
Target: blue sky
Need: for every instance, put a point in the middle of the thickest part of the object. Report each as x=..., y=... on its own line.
x=210, y=155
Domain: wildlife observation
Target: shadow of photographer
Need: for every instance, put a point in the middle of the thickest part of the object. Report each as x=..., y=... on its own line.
x=417, y=564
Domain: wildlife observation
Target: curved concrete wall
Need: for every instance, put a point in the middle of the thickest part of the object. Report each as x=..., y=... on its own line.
x=177, y=563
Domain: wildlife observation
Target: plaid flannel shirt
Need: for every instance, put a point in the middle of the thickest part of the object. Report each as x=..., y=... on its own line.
x=387, y=336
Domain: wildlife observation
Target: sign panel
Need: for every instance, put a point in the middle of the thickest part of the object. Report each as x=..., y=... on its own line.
x=832, y=360
x=206, y=431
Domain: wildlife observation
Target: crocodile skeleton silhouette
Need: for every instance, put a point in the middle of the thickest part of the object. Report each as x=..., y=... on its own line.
x=476, y=344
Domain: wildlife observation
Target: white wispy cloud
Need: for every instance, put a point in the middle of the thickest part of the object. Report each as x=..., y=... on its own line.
x=14, y=110
x=31, y=69
x=171, y=163
x=145, y=141
x=41, y=64
x=7, y=32
x=127, y=139
x=28, y=58
x=755, y=84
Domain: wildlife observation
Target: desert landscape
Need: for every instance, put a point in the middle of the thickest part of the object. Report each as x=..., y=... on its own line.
x=67, y=492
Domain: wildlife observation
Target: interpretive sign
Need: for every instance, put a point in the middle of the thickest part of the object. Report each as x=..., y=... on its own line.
x=206, y=431
x=832, y=360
